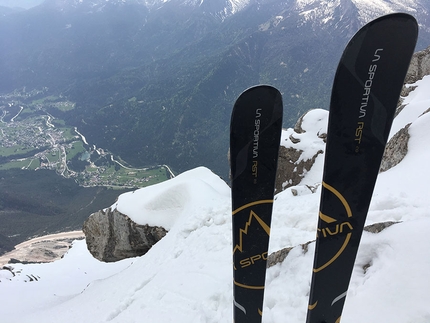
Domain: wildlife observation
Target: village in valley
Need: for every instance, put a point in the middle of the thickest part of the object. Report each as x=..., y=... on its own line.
x=32, y=138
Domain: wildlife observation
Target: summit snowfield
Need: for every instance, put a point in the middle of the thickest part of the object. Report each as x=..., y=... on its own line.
x=187, y=276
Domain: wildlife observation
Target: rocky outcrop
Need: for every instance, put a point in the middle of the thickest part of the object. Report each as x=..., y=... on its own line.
x=396, y=149
x=112, y=236
x=291, y=164
x=290, y=169
x=418, y=68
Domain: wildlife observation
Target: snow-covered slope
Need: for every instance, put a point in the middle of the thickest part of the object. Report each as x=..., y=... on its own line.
x=418, y=101
x=369, y=9
x=187, y=276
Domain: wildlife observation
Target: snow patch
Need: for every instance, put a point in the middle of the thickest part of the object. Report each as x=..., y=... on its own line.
x=421, y=102
x=162, y=204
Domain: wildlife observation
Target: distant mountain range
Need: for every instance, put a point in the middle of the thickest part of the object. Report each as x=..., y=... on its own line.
x=155, y=81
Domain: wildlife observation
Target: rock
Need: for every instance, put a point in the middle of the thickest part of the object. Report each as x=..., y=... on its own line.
x=378, y=227
x=112, y=236
x=419, y=66
x=280, y=255
x=427, y=111
x=290, y=169
x=293, y=164
x=396, y=149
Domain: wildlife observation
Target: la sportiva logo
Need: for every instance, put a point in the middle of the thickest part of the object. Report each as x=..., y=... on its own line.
x=256, y=140
x=365, y=98
x=247, y=249
x=330, y=227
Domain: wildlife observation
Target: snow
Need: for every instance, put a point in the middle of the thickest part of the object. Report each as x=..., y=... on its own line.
x=238, y=5
x=163, y=204
x=323, y=11
x=370, y=9
x=421, y=102
x=53, y=283
x=319, y=10
x=314, y=124
x=187, y=276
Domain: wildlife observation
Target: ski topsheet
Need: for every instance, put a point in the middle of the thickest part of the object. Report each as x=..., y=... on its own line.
x=255, y=131
x=364, y=98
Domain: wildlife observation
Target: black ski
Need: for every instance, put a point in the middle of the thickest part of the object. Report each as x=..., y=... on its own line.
x=255, y=131
x=364, y=97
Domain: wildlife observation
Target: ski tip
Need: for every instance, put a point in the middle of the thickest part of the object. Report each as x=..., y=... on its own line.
x=407, y=20
x=259, y=88
x=260, y=95
x=398, y=15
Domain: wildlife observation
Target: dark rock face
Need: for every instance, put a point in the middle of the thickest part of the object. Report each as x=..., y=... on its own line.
x=113, y=236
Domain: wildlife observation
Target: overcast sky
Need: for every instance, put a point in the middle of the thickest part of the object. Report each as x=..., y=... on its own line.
x=20, y=3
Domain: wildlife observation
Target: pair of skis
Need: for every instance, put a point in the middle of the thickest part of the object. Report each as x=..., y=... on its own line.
x=364, y=98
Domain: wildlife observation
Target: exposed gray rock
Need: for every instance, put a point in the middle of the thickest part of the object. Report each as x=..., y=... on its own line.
x=396, y=149
x=298, y=126
x=378, y=227
x=427, y=111
x=290, y=170
x=113, y=236
x=294, y=140
x=280, y=255
x=419, y=67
